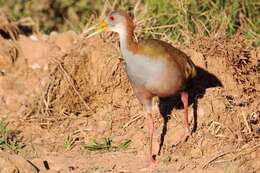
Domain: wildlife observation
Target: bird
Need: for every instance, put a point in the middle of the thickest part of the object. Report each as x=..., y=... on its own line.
x=155, y=68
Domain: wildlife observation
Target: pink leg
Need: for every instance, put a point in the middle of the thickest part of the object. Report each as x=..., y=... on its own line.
x=184, y=99
x=151, y=129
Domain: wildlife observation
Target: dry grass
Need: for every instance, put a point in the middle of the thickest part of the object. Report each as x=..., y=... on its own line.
x=7, y=27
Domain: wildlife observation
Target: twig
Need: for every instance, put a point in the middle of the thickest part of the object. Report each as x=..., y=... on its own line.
x=251, y=149
x=223, y=161
x=136, y=7
x=115, y=3
x=243, y=152
x=159, y=27
x=246, y=123
x=215, y=158
x=135, y=118
x=104, y=9
x=240, y=154
x=46, y=99
x=72, y=85
x=139, y=22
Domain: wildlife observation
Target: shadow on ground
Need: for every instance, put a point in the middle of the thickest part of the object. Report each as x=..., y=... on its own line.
x=203, y=81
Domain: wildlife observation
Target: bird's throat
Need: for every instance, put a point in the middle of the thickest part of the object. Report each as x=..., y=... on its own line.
x=127, y=41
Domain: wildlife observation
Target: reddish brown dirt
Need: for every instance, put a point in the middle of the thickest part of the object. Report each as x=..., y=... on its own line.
x=59, y=85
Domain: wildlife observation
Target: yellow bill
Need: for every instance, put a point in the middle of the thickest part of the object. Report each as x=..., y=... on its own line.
x=97, y=28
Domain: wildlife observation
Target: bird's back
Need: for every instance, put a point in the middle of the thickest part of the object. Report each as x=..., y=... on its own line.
x=160, y=49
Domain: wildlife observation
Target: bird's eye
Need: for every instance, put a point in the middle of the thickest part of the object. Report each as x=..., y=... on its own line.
x=112, y=18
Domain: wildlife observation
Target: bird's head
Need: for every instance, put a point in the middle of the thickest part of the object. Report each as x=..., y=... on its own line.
x=116, y=21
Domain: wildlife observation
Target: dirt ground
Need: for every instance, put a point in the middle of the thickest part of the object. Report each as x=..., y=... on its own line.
x=61, y=91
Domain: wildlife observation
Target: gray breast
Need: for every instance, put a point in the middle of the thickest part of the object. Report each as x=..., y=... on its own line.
x=142, y=70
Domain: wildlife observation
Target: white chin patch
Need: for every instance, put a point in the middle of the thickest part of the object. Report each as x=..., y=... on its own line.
x=119, y=28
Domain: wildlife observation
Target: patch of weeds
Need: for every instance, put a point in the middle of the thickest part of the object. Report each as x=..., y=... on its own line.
x=106, y=145
x=124, y=145
x=3, y=133
x=167, y=159
x=68, y=142
x=7, y=142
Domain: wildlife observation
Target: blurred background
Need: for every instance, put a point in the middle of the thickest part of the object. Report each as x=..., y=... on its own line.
x=176, y=20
